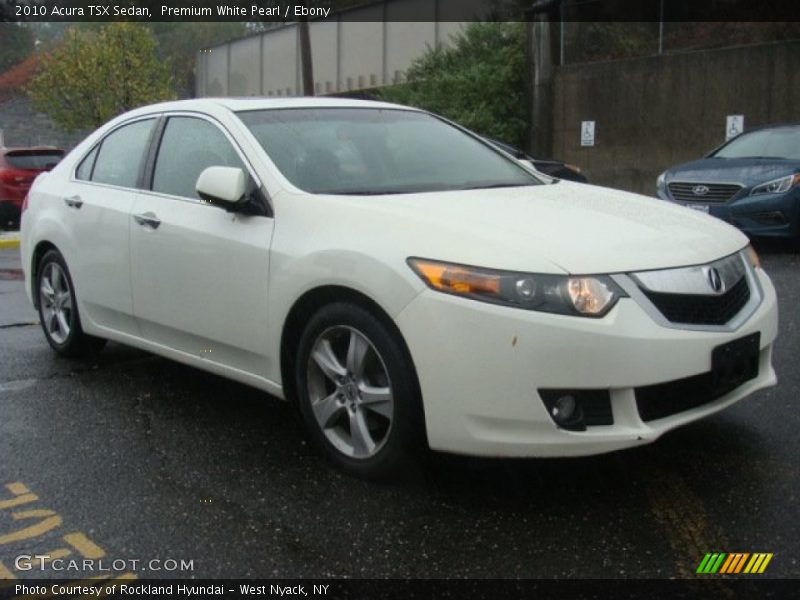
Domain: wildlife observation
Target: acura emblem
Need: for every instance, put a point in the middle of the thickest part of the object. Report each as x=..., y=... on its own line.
x=714, y=280
x=700, y=190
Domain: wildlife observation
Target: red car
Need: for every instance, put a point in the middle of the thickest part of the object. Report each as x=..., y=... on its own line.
x=18, y=168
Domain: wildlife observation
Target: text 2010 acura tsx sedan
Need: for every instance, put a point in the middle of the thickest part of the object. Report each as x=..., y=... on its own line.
x=399, y=278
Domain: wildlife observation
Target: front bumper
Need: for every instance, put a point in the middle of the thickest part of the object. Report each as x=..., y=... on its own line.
x=480, y=367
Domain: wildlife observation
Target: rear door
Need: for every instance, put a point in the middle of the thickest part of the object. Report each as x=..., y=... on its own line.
x=96, y=208
x=199, y=273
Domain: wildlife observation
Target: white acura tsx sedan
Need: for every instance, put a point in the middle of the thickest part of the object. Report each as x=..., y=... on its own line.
x=404, y=282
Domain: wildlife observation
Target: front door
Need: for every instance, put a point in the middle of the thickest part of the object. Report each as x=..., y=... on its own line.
x=199, y=273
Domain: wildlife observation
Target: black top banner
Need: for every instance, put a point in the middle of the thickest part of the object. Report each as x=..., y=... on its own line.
x=278, y=11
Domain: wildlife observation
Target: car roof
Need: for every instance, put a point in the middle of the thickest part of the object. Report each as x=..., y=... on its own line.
x=258, y=103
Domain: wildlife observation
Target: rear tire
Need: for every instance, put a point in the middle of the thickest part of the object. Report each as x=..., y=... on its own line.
x=58, y=309
x=357, y=391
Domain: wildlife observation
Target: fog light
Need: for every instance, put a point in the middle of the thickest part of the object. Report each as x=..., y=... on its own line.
x=566, y=412
x=564, y=409
x=575, y=410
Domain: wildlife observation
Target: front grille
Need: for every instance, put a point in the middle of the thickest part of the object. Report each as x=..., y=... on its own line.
x=717, y=192
x=692, y=309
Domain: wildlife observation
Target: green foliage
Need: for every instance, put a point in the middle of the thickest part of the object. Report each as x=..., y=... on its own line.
x=95, y=76
x=478, y=82
x=16, y=43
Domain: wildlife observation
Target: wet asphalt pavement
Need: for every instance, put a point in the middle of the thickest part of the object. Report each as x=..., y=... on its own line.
x=133, y=457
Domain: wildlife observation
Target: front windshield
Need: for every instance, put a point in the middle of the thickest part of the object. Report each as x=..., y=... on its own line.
x=378, y=151
x=783, y=142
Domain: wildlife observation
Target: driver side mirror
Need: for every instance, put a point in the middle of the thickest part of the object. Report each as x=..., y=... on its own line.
x=223, y=186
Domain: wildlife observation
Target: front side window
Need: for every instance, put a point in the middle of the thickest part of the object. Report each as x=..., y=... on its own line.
x=121, y=154
x=378, y=151
x=189, y=146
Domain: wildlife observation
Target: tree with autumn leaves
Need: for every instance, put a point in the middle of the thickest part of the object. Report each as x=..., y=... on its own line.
x=96, y=75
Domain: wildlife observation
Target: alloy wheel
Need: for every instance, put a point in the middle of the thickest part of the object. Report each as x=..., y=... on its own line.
x=56, y=299
x=350, y=392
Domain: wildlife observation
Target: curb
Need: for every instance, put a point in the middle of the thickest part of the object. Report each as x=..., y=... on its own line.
x=9, y=242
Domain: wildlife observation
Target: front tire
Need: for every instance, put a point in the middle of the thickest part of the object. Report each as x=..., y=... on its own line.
x=357, y=391
x=58, y=309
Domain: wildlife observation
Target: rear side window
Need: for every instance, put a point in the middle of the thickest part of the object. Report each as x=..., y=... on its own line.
x=34, y=159
x=189, y=146
x=121, y=154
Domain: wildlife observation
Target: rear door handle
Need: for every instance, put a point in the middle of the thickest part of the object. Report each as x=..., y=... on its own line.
x=73, y=201
x=147, y=219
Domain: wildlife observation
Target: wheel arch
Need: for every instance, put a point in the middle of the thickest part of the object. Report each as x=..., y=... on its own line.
x=310, y=302
x=39, y=251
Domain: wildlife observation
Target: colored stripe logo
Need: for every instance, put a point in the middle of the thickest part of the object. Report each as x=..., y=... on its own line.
x=734, y=563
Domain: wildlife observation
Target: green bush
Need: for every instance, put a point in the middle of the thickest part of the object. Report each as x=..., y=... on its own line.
x=95, y=76
x=478, y=81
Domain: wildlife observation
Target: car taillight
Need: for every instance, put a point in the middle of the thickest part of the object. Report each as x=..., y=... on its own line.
x=25, y=203
x=15, y=176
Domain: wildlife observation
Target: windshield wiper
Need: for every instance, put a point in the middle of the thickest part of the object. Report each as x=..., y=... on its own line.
x=492, y=186
x=366, y=192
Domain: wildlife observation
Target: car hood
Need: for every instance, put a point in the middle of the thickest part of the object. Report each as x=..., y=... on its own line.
x=745, y=171
x=568, y=227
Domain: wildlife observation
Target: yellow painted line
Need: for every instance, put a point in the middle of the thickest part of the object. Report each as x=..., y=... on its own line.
x=84, y=545
x=5, y=573
x=55, y=555
x=18, y=501
x=51, y=521
x=766, y=562
x=17, y=488
x=9, y=243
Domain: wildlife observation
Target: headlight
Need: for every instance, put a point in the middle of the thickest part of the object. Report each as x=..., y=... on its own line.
x=589, y=296
x=776, y=186
x=752, y=257
x=661, y=183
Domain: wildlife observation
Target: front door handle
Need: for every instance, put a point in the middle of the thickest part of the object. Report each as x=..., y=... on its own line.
x=147, y=219
x=73, y=201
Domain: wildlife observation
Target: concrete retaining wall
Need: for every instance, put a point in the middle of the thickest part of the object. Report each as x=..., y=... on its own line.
x=654, y=112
